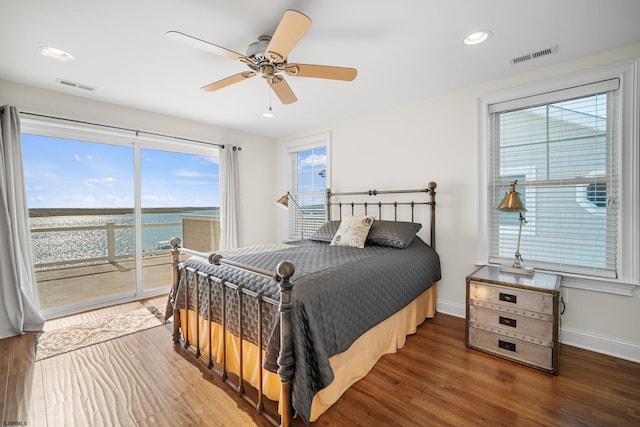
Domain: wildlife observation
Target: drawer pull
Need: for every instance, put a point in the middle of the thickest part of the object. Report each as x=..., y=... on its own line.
x=508, y=298
x=507, y=345
x=508, y=322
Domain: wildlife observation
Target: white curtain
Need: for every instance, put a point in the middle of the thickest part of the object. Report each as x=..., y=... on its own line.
x=229, y=197
x=19, y=311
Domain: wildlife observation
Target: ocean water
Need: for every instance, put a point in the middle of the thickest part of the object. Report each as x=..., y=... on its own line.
x=62, y=245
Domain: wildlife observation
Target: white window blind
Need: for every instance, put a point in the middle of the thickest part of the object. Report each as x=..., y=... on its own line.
x=562, y=148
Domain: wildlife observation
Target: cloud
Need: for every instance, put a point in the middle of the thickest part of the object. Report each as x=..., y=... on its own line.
x=93, y=201
x=38, y=199
x=77, y=157
x=107, y=182
x=192, y=174
x=39, y=188
x=42, y=171
x=79, y=199
x=212, y=160
x=113, y=200
x=314, y=159
x=154, y=199
x=211, y=183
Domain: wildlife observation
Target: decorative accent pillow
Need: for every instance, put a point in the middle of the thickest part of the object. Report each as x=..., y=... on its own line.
x=396, y=234
x=326, y=232
x=353, y=231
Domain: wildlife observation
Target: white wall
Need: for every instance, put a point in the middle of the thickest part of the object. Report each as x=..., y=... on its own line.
x=436, y=140
x=255, y=159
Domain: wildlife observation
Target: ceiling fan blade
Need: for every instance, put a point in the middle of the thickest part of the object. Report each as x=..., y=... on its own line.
x=292, y=27
x=228, y=81
x=210, y=47
x=282, y=90
x=321, y=71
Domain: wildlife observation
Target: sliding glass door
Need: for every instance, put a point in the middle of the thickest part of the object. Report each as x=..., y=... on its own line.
x=179, y=198
x=103, y=209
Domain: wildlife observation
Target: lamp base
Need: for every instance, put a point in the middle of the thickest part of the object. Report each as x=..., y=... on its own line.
x=525, y=271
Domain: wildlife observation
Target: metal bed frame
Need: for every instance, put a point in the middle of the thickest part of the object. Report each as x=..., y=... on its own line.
x=282, y=275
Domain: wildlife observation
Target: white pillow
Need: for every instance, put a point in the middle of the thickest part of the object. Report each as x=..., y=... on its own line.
x=353, y=231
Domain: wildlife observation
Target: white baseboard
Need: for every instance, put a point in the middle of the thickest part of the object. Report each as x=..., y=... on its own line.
x=451, y=308
x=581, y=339
x=610, y=346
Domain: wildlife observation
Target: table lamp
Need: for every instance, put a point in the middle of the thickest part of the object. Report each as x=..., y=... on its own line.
x=283, y=202
x=512, y=203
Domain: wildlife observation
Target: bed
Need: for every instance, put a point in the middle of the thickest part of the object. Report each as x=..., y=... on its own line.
x=301, y=321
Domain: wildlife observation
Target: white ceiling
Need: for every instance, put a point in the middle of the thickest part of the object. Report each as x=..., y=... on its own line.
x=404, y=50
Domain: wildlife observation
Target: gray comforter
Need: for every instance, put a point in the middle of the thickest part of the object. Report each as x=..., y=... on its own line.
x=338, y=294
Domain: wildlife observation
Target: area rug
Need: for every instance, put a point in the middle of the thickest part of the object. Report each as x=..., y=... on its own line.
x=64, y=340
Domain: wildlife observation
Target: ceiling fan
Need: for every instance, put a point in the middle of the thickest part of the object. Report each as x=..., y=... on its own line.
x=268, y=57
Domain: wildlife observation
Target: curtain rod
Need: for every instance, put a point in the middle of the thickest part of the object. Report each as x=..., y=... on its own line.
x=127, y=129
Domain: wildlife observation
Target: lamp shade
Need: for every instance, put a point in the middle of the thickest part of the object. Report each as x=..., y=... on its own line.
x=511, y=201
x=283, y=202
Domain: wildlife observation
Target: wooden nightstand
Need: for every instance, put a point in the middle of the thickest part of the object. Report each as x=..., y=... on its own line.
x=514, y=316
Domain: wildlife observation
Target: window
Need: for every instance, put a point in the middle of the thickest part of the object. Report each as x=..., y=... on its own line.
x=569, y=144
x=308, y=173
x=596, y=194
x=567, y=147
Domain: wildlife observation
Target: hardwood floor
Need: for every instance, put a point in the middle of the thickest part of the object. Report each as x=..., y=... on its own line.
x=142, y=379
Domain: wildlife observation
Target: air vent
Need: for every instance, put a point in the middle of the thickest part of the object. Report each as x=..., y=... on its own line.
x=69, y=83
x=534, y=55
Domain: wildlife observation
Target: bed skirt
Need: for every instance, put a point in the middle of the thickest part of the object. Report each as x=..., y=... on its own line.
x=348, y=367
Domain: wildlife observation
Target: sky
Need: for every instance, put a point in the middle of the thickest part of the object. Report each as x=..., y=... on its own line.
x=311, y=167
x=63, y=173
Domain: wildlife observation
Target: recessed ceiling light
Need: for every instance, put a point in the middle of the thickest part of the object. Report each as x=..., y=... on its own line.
x=54, y=53
x=477, y=37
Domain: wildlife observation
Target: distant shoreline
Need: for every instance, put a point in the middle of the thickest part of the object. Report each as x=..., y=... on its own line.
x=43, y=212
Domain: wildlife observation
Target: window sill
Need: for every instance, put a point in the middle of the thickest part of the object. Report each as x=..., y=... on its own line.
x=591, y=284
x=595, y=285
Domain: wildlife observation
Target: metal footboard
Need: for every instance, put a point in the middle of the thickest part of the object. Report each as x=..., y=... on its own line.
x=206, y=283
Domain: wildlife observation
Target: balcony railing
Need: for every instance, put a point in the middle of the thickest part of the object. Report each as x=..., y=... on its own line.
x=91, y=260
x=111, y=256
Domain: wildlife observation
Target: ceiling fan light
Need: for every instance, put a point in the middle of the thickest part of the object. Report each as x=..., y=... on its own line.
x=269, y=114
x=55, y=53
x=477, y=37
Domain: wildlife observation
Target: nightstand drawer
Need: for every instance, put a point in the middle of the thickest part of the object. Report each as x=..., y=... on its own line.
x=511, y=348
x=535, y=331
x=517, y=301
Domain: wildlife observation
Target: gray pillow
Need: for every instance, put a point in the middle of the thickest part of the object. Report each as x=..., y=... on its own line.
x=326, y=232
x=396, y=234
